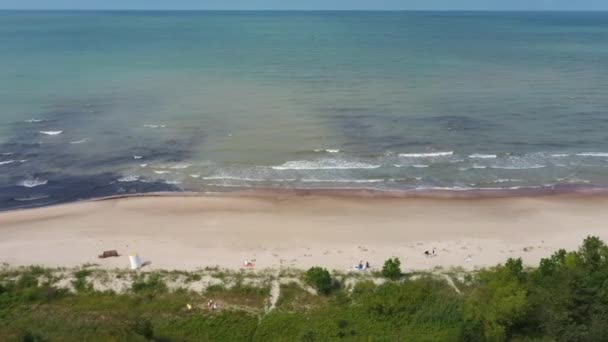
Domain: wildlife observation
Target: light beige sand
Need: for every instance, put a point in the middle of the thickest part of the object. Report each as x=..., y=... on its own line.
x=189, y=232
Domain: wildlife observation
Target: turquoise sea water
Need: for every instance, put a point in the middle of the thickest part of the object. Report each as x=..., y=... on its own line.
x=102, y=103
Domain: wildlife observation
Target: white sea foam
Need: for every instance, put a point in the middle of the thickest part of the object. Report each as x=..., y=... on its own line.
x=513, y=167
x=154, y=126
x=33, y=120
x=172, y=182
x=195, y=176
x=507, y=180
x=559, y=155
x=453, y=188
x=426, y=155
x=482, y=156
x=420, y=166
x=7, y=153
x=573, y=180
x=129, y=178
x=246, y=179
x=137, y=157
x=30, y=183
x=222, y=185
x=593, y=154
x=475, y=166
x=80, y=141
x=161, y=172
x=464, y=188
x=407, y=179
x=7, y=162
x=51, y=132
x=31, y=198
x=312, y=180
x=328, y=150
x=180, y=166
x=326, y=164
x=143, y=165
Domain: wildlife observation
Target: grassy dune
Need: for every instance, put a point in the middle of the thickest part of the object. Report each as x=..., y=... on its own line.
x=565, y=299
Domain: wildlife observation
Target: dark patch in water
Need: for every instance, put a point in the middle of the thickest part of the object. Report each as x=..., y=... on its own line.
x=370, y=130
x=459, y=123
x=54, y=159
x=62, y=189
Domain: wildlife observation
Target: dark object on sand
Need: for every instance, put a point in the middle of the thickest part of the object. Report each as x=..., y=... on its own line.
x=107, y=254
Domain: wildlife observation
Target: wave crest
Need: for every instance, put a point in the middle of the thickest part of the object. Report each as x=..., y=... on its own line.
x=326, y=164
x=30, y=183
x=426, y=155
x=51, y=132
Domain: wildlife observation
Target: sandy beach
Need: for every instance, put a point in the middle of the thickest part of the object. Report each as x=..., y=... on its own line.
x=189, y=232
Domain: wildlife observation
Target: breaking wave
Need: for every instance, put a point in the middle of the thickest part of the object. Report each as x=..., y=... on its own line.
x=482, y=156
x=30, y=183
x=426, y=155
x=51, y=132
x=326, y=164
x=129, y=178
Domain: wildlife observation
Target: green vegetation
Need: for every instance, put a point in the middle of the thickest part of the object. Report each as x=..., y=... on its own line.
x=320, y=279
x=564, y=299
x=392, y=269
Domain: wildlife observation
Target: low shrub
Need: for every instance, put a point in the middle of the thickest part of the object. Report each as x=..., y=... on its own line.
x=392, y=269
x=154, y=284
x=80, y=284
x=320, y=279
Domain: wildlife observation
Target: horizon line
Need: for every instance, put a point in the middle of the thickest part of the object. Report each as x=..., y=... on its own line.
x=285, y=10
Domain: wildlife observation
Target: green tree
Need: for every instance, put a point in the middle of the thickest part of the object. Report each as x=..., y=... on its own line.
x=497, y=302
x=593, y=253
x=392, y=268
x=320, y=279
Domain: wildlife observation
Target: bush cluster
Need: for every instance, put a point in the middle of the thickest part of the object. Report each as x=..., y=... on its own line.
x=320, y=279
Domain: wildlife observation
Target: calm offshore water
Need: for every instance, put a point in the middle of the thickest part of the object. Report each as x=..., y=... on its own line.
x=101, y=103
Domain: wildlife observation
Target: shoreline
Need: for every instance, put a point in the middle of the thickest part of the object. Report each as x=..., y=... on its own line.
x=270, y=192
x=192, y=231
